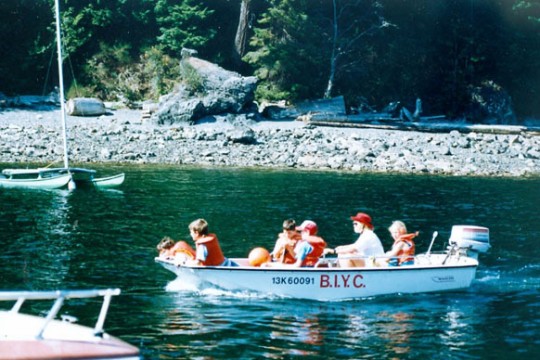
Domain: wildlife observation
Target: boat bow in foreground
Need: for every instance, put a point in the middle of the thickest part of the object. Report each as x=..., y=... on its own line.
x=432, y=272
x=27, y=336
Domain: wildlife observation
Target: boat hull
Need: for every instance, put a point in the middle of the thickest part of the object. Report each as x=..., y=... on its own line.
x=56, y=349
x=109, y=182
x=333, y=283
x=29, y=336
x=54, y=178
x=52, y=182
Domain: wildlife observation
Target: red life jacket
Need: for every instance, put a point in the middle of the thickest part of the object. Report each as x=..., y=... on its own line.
x=215, y=255
x=407, y=254
x=318, y=245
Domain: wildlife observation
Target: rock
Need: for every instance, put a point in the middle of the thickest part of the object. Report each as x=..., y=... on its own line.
x=490, y=103
x=238, y=141
x=206, y=89
x=243, y=135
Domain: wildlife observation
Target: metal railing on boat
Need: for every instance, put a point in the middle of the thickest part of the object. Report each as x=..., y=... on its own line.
x=59, y=296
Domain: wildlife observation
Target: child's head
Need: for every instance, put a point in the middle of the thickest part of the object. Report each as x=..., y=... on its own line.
x=308, y=226
x=165, y=244
x=397, y=229
x=289, y=225
x=199, y=226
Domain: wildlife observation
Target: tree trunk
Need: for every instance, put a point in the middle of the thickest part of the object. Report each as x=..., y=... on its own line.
x=333, y=57
x=242, y=31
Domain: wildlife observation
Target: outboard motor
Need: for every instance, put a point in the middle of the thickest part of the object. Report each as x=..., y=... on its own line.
x=473, y=239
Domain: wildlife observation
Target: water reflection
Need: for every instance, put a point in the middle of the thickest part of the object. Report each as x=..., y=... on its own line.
x=43, y=254
x=397, y=331
x=100, y=239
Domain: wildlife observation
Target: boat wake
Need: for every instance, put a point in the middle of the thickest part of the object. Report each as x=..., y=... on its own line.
x=181, y=285
x=522, y=279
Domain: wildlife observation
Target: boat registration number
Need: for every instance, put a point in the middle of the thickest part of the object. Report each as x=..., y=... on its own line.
x=293, y=280
x=324, y=281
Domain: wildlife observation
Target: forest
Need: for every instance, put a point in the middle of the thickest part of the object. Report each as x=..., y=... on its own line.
x=370, y=52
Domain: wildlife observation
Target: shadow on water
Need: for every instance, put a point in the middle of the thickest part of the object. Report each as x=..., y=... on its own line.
x=58, y=239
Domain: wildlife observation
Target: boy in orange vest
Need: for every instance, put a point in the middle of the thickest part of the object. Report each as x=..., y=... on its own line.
x=208, y=251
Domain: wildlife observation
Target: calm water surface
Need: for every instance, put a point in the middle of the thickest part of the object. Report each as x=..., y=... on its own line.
x=56, y=239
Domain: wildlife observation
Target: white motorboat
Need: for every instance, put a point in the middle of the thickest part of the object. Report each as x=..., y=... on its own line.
x=452, y=269
x=34, y=178
x=27, y=336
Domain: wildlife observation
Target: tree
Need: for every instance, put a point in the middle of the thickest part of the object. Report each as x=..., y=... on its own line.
x=347, y=33
x=182, y=24
x=23, y=64
x=287, y=52
x=306, y=48
x=240, y=39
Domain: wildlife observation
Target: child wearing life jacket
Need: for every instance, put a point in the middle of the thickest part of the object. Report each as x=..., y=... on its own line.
x=307, y=250
x=168, y=248
x=403, y=249
x=311, y=247
x=287, y=239
x=208, y=250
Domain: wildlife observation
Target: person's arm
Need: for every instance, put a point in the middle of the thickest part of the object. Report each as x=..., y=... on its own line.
x=345, y=249
x=278, y=247
x=302, y=250
x=200, y=256
x=395, y=249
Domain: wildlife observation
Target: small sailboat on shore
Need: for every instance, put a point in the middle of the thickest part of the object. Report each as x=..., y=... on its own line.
x=52, y=178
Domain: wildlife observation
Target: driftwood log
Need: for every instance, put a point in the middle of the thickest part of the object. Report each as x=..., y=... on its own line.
x=85, y=107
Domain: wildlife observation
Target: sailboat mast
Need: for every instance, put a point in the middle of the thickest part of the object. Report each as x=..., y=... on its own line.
x=61, y=81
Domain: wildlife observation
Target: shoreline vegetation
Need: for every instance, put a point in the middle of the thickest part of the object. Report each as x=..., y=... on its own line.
x=124, y=137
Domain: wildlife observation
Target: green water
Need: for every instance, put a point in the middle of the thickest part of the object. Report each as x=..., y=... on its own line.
x=87, y=238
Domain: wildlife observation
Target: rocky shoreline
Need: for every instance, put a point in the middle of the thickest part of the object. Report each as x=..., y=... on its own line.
x=34, y=136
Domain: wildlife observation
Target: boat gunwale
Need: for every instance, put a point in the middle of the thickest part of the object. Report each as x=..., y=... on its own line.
x=318, y=269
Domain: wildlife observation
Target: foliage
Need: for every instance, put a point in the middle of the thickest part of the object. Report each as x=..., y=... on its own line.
x=24, y=60
x=435, y=50
x=116, y=76
x=193, y=82
x=182, y=24
x=285, y=51
x=530, y=9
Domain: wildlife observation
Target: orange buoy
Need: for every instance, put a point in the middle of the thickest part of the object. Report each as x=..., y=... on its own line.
x=258, y=256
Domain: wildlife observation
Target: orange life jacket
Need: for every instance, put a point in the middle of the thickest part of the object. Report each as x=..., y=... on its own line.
x=182, y=247
x=318, y=245
x=407, y=254
x=215, y=255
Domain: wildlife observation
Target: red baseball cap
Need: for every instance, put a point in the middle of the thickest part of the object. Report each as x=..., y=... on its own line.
x=363, y=218
x=309, y=226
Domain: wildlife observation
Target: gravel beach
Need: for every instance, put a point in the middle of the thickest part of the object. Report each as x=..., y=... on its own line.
x=122, y=136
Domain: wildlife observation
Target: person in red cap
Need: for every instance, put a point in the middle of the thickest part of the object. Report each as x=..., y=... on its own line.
x=367, y=245
x=307, y=250
x=311, y=247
